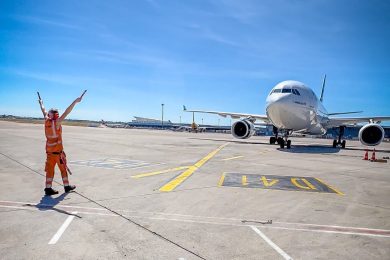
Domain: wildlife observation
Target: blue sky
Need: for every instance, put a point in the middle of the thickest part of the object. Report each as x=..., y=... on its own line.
x=214, y=54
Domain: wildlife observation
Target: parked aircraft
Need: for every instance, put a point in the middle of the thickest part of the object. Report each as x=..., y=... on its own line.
x=291, y=106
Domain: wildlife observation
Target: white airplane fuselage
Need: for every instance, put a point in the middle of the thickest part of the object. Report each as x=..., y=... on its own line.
x=291, y=105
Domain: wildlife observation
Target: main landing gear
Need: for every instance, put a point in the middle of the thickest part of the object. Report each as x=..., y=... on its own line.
x=338, y=142
x=274, y=139
x=279, y=140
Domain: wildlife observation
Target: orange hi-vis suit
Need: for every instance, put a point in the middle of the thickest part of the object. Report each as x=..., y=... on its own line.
x=54, y=151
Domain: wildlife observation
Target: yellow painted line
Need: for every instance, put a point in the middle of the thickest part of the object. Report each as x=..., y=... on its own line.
x=308, y=187
x=232, y=158
x=308, y=184
x=182, y=177
x=244, y=180
x=221, y=180
x=160, y=172
x=330, y=187
x=268, y=183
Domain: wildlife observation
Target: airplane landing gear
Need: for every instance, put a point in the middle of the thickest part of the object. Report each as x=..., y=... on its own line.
x=338, y=142
x=274, y=139
x=282, y=142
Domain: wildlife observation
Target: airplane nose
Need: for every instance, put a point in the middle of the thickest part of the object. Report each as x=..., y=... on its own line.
x=279, y=101
x=278, y=108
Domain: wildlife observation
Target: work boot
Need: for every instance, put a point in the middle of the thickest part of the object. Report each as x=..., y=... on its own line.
x=50, y=191
x=69, y=188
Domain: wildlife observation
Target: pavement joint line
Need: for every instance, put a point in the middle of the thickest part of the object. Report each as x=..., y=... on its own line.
x=62, y=229
x=182, y=177
x=272, y=244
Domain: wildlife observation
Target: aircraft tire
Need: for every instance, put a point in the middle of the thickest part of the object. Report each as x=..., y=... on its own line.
x=288, y=144
x=272, y=140
x=281, y=142
x=334, y=143
x=343, y=144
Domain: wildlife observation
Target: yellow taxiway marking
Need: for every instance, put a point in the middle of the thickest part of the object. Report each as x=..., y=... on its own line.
x=182, y=177
x=268, y=182
x=244, y=180
x=330, y=187
x=160, y=172
x=232, y=158
x=308, y=186
x=222, y=179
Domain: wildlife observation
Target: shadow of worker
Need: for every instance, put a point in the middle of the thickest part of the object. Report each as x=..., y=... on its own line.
x=50, y=203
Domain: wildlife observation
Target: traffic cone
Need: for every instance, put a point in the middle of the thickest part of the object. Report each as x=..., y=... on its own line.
x=373, y=156
x=366, y=156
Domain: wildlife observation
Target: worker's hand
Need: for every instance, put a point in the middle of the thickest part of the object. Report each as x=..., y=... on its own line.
x=81, y=97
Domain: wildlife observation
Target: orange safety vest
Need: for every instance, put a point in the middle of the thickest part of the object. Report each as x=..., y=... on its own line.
x=53, y=133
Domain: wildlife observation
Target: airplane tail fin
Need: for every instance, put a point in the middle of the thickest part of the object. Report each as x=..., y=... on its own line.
x=184, y=108
x=323, y=88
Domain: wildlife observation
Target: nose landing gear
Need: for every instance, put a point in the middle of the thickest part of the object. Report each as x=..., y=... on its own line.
x=284, y=142
x=279, y=140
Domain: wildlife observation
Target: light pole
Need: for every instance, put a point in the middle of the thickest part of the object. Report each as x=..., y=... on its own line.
x=202, y=121
x=162, y=116
x=218, y=122
x=180, y=120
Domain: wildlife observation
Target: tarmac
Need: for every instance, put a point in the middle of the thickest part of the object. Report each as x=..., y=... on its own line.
x=150, y=194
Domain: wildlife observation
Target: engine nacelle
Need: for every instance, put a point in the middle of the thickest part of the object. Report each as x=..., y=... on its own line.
x=243, y=129
x=371, y=134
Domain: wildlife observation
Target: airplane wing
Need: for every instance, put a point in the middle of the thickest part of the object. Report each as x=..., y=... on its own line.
x=232, y=115
x=334, y=122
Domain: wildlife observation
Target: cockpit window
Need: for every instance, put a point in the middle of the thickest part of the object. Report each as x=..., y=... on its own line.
x=286, y=90
x=296, y=92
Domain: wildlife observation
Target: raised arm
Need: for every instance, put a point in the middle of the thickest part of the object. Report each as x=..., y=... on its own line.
x=70, y=108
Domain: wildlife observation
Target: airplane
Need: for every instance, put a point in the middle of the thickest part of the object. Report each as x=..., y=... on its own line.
x=291, y=106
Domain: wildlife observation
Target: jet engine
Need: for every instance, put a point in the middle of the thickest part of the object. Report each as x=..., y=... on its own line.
x=243, y=129
x=371, y=134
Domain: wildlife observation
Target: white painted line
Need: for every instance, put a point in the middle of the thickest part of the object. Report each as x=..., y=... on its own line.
x=329, y=231
x=305, y=227
x=272, y=244
x=233, y=158
x=62, y=229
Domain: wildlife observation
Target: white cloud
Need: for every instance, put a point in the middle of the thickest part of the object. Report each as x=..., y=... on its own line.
x=45, y=21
